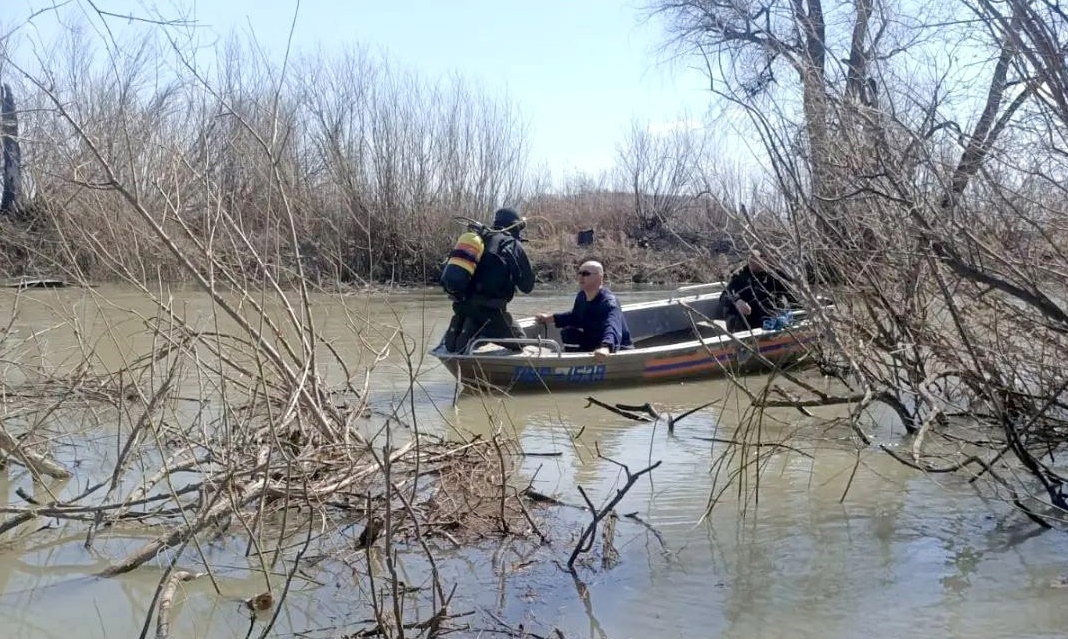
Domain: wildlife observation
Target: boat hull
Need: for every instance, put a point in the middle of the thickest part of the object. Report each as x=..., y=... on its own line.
x=676, y=341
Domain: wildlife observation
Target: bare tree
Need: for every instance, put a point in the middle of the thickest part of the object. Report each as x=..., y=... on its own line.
x=931, y=201
x=370, y=161
x=661, y=171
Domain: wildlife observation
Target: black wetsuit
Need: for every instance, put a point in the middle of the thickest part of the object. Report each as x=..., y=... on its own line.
x=763, y=292
x=482, y=312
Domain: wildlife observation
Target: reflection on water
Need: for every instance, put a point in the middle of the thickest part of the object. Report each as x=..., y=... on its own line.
x=899, y=553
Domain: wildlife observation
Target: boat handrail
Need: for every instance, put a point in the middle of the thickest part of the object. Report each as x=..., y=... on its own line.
x=690, y=288
x=522, y=341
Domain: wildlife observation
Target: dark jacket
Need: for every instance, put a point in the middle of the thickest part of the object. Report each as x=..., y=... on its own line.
x=765, y=292
x=599, y=322
x=503, y=268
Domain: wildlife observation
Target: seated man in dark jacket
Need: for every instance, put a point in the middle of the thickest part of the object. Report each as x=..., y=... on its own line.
x=595, y=322
x=754, y=294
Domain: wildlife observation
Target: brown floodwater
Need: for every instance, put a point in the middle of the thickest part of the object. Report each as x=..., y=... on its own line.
x=799, y=555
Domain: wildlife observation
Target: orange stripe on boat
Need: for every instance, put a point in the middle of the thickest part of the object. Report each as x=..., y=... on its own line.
x=698, y=360
x=702, y=359
x=695, y=367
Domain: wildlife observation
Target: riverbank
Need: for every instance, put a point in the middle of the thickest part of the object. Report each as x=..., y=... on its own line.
x=32, y=256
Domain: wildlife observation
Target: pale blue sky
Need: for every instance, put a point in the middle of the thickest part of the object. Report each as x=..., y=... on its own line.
x=580, y=70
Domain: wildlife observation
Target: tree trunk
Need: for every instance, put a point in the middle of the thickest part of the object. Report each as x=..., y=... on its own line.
x=9, y=132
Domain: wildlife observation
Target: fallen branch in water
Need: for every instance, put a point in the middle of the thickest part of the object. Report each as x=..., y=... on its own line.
x=732, y=442
x=629, y=414
x=585, y=542
x=431, y=625
x=987, y=468
x=166, y=600
x=634, y=412
x=644, y=408
x=218, y=511
x=656, y=533
x=542, y=498
x=520, y=631
x=38, y=464
x=609, y=553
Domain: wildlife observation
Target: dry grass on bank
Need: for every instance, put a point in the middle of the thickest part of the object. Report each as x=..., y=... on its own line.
x=556, y=259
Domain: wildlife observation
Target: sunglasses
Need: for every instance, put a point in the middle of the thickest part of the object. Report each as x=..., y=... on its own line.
x=585, y=273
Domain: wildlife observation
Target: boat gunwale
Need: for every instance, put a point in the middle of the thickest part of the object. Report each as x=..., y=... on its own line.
x=743, y=337
x=804, y=330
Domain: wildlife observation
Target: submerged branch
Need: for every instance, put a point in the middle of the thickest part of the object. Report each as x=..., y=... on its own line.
x=166, y=600
x=38, y=464
x=585, y=542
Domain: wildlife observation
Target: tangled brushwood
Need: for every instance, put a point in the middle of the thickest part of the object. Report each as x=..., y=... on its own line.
x=195, y=441
x=257, y=457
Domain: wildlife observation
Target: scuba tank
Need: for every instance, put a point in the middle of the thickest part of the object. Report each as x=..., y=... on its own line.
x=462, y=262
x=464, y=258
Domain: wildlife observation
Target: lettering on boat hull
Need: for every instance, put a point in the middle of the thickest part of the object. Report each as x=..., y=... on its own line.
x=560, y=374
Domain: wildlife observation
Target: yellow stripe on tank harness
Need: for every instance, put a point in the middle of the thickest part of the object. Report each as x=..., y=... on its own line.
x=467, y=252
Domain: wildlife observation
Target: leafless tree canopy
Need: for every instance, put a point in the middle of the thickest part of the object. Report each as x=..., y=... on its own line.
x=363, y=154
x=920, y=155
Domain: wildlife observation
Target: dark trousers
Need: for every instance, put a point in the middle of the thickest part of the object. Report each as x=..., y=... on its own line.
x=470, y=322
x=577, y=340
x=736, y=322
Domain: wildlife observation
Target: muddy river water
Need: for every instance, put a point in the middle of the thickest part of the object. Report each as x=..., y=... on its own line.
x=900, y=554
